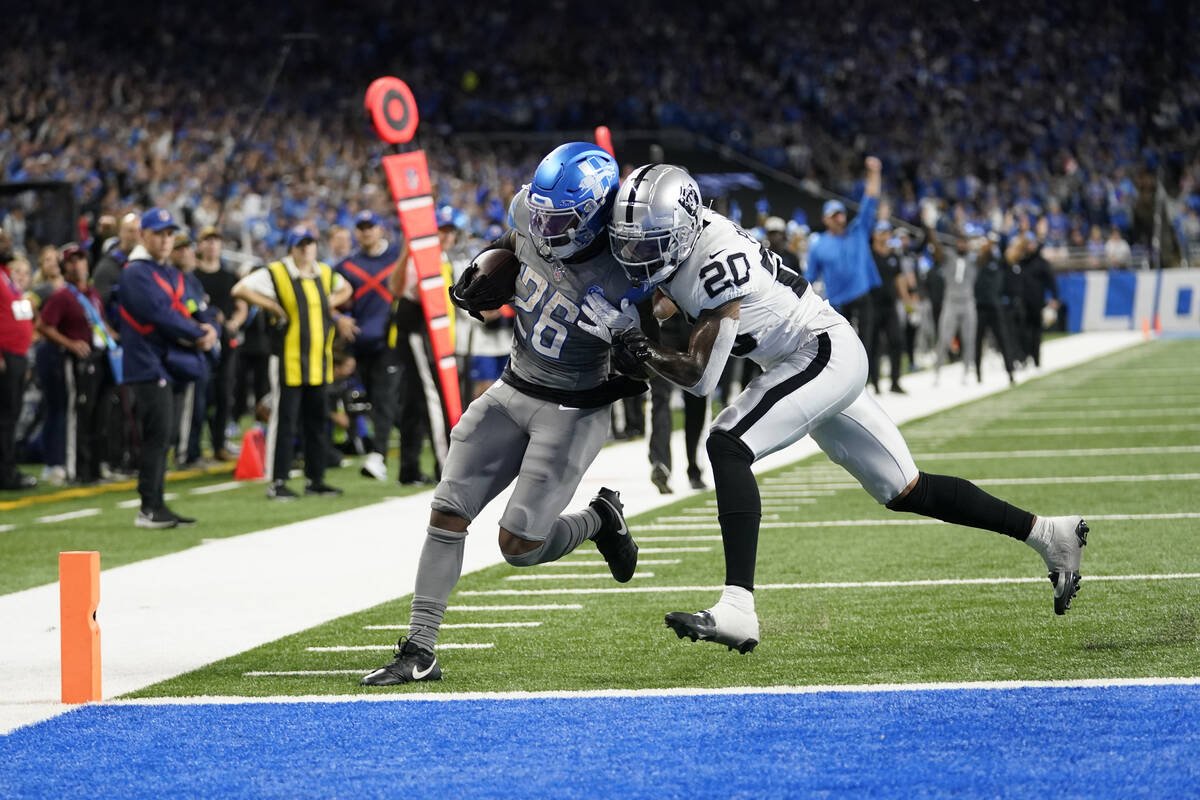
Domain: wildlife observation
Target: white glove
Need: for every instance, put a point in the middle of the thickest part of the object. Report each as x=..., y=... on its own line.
x=605, y=318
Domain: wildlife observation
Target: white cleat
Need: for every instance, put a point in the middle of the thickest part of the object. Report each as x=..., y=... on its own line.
x=1062, y=550
x=723, y=624
x=374, y=467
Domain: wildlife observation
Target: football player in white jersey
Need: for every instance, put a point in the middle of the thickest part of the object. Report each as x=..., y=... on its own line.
x=744, y=302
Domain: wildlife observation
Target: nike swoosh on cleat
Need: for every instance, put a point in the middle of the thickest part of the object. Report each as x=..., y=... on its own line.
x=418, y=674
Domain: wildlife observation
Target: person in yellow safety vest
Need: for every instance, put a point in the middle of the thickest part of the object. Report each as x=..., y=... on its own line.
x=301, y=295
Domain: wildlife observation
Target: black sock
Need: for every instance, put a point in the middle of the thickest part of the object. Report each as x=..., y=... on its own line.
x=739, y=509
x=959, y=501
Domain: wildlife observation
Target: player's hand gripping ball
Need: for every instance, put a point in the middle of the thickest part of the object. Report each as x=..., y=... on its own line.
x=630, y=349
x=488, y=283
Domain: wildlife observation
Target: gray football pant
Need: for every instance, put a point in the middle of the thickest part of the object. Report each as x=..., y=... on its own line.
x=820, y=391
x=505, y=436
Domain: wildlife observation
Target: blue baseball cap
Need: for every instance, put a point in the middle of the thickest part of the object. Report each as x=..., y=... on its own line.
x=366, y=217
x=299, y=235
x=447, y=217
x=833, y=207
x=158, y=219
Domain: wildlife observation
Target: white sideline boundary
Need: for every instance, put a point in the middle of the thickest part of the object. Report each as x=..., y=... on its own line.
x=683, y=691
x=165, y=616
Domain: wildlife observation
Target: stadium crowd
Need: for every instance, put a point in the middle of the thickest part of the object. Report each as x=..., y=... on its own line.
x=1050, y=124
x=1063, y=110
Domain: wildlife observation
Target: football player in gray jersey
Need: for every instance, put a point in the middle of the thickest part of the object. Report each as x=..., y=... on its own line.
x=545, y=420
x=745, y=302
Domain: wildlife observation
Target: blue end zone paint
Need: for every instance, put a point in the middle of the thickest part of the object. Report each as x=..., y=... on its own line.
x=1092, y=742
x=1183, y=301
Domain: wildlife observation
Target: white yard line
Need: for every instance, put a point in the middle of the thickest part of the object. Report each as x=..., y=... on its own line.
x=1177, y=411
x=1183, y=449
x=534, y=607
x=701, y=513
x=678, y=691
x=452, y=625
x=354, y=648
x=644, y=550
x=1052, y=402
x=307, y=672
x=80, y=514
x=218, y=487
x=571, y=576
x=1087, y=430
x=921, y=583
x=782, y=490
x=898, y=521
x=6, y=528
x=602, y=563
x=676, y=538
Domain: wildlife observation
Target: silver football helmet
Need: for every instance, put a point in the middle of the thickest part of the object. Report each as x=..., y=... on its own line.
x=655, y=222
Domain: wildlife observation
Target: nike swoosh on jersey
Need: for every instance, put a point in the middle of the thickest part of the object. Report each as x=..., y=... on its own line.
x=418, y=674
x=717, y=253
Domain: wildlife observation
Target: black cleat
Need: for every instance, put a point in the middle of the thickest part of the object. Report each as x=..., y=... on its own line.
x=158, y=519
x=696, y=480
x=742, y=636
x=180, y=520
x=1069, y=537
x=280, y=491
x=322, y=489
x=614, y=540
x=660, y=476
x=410, y=663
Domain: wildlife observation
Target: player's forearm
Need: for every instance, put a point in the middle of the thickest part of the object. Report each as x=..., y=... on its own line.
x=699, y=369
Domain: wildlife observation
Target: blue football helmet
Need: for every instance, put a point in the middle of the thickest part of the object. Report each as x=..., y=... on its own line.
x=571, y=198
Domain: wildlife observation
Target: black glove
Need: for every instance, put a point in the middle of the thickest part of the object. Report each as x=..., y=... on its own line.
x=474, y=292
x=630, y=350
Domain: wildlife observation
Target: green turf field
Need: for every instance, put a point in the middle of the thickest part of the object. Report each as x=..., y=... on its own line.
x=1117, y=438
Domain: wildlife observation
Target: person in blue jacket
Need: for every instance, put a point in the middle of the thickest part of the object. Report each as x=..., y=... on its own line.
x=841, y=257
x=367, y=328
x=163, y=345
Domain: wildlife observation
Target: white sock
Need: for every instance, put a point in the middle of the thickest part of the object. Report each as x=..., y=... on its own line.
x=1040, y=535
x=737, y=597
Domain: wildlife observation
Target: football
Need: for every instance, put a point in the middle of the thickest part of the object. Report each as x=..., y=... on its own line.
x=494, y=280
x=502, y=265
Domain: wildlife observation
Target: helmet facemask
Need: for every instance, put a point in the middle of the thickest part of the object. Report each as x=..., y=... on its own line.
x=651, y=256
x=560, y=232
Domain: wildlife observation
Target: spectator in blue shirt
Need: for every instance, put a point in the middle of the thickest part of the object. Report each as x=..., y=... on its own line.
x=367, y=327
x=162, y=344
x=841, y=257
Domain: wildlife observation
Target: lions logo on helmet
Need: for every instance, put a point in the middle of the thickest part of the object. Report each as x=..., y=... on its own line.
x=569, y=199
x=655, y=222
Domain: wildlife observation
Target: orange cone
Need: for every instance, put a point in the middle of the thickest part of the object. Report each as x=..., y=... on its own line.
x=250, y=462
x=1146, y=328
x=1157, y=325
x=79, y=633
